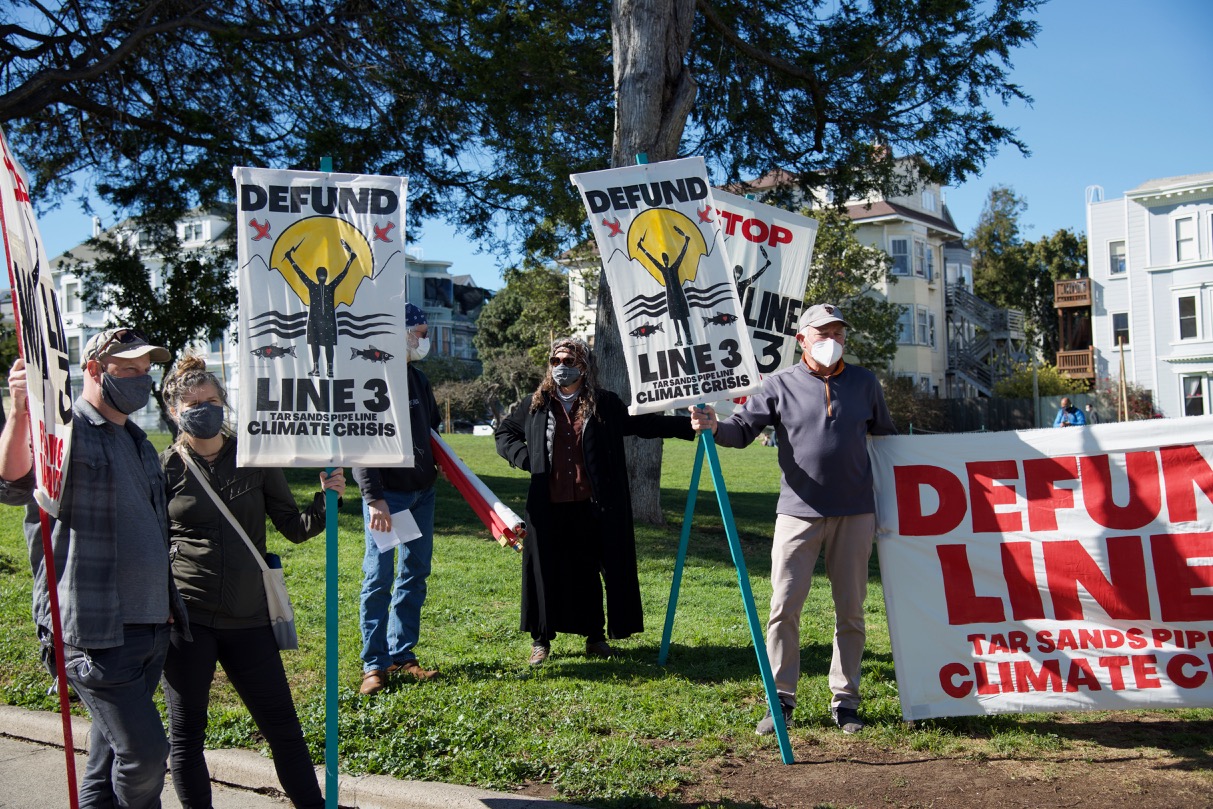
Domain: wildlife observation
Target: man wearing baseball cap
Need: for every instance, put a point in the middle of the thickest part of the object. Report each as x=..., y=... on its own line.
x=117, y=598
x=394, y=586
x=822, y=411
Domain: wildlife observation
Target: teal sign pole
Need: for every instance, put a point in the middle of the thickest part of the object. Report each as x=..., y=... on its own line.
x=330, y=626
x=707, y=448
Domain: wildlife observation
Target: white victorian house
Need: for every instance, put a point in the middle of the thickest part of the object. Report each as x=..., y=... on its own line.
x=1150, y=255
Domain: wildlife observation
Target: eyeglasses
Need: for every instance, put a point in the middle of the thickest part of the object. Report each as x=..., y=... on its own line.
x=122, y=336
x=568, y=362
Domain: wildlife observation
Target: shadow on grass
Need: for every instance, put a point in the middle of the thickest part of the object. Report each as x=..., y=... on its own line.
x=1190, y=741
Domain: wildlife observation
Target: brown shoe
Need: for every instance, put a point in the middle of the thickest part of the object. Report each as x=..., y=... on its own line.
x=373, y=682
x=413, y=669
x=599, y=648
x=539, y=653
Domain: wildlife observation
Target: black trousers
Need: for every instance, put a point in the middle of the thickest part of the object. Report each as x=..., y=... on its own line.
x=251, y=660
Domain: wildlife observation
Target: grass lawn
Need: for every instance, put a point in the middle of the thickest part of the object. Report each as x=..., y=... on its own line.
x=624, y=731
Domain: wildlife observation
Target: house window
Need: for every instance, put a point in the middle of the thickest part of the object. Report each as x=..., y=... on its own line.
x=924, y=385
x=191, y=232
x=920, y=259
x=899, y=249
x=931, y=327
x=1194, y=395
x=930, y=263
x=1188, y=320
x=924, y=327
x=73, y=350
x=71, y=297
x=1185, y=239
x=905, y=327
x=1120, y=329
x=1116, y=258
x=216, y=345
x=928, y=200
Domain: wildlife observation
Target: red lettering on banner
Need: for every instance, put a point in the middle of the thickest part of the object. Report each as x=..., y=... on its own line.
x=1114, y=665
x=1177, y=675
x=964, y=605
x=912, y=522
x=1020, y=573
x=986, y=494
x=1081, y=676
x=754, y=230
x=1172, y=554
x=19, y=190
x=947, y=680
x=1181, y=468
x=1068, y=564
x=1047, y=679
x=1145, y=671
x=1145, y=499
x=1044, y=498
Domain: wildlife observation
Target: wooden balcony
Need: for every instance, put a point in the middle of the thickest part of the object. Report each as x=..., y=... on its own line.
x=1071, y=292
x=1077, y=364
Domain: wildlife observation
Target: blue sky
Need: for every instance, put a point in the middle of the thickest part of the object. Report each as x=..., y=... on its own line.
x=1123, y=93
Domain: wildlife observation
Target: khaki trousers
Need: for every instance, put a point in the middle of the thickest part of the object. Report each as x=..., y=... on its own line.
x=797, y=544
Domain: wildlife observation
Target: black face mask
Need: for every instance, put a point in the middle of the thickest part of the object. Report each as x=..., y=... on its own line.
x=203, y=420
x=126, y=394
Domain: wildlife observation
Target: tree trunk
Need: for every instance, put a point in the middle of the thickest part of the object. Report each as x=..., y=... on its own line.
x=654, y=93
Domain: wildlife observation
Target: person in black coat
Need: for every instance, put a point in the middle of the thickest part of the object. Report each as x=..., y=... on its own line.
x=569, y=436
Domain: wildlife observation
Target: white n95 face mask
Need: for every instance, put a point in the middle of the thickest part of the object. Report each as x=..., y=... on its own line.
x=826, y=353
x=420, y=352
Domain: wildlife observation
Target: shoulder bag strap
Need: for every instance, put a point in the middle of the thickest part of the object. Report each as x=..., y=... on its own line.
x=222, y=506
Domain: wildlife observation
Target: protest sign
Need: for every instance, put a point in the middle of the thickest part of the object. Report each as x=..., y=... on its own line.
x=680, y=321
x=1049, y=570
x=771, y=251
x=39, y=332
x=323, y=341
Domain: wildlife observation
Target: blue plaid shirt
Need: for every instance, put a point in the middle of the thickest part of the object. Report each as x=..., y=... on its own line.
x=85, y=537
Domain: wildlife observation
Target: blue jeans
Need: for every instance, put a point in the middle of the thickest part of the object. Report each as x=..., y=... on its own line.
x=127, y=745
x=391, y=620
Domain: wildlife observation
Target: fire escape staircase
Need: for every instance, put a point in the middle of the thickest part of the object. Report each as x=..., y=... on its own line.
x=985, y=343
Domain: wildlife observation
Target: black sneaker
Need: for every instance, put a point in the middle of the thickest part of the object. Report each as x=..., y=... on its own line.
x=848, y=719
x=766, y=726
x=598, y=648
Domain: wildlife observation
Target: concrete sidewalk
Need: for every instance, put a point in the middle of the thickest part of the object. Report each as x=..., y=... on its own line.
x=32, y=776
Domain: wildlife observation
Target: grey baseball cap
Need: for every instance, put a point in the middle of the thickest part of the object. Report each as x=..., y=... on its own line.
x=821, y=314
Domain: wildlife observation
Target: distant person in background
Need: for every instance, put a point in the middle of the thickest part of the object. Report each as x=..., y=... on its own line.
x=1092, y=414
x=1068, y=415
x=221, y=583
x=569, y=437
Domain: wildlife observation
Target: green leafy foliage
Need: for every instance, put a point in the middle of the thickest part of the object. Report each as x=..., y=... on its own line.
x=847, y=273
x=195, y=297
x=1049, y=382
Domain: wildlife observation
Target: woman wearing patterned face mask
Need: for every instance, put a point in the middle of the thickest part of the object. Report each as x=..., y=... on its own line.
x=569, y=436
x=221, y=583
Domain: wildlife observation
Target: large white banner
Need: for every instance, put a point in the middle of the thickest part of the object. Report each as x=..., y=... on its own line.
x=40, y=333
x=684, y=338
x=323, y=343
x=771, y=251
x=1049, y=570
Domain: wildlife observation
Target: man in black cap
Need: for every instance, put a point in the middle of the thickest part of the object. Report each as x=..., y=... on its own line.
x=822, y=411
x=110, y=541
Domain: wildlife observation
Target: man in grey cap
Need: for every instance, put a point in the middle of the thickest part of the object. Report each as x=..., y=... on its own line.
x=822, y=411
x=117, y=599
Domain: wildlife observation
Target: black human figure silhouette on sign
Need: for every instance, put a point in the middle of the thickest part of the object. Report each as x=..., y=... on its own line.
x=675, y=299
x=322, y=308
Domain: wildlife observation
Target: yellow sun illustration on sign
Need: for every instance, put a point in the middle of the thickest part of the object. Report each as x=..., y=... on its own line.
x=318, y=242
x=667, y=244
